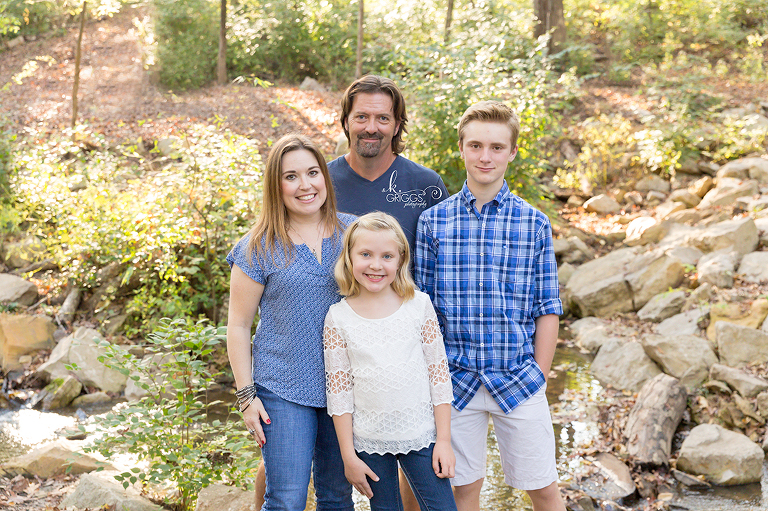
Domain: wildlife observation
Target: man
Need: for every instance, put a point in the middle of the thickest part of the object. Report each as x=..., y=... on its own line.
x=485, y=257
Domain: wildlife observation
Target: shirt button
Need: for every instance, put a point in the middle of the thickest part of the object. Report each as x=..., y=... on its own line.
x=481, y=314
x=482, y=344
x=481, y=284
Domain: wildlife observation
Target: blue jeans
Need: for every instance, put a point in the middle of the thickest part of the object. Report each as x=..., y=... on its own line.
x=300, y=440
x=432, y=492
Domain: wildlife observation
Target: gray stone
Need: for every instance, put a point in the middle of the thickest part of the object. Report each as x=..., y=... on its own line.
x=691, y=200
x=95, y=491
x=754, y=267
x=668, y=208
x=743, y=168
x=686, y=357
x=633, y=198
x=342, y=145
x=60, y=392
x=15, y=289
x=740, y=345
x=653, y=183
x=700, y=187
x=624, y=366
x=662, y=306
x=745, y=384
x=644, y=230
x=739, y=235
x=602, y=204
x=51, y=460
x=612, y=481
x=564, y=273
x=16, y=41
x=685, y=323
x=168, y=146
x=653, y=197
x=723, y=457
x=21, y=334
x=726, y=194
x=650, y=274
x=699, y=297
x=598, y=288
x=762, y=404
x=688, y=256
x=561, y=246
x=91, y=399
x=590, y=333
x=311, y=84
x=718, y=268
x=220, y=497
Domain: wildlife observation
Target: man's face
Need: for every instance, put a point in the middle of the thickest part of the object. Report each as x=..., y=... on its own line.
x=372, y=125
x=486, y=150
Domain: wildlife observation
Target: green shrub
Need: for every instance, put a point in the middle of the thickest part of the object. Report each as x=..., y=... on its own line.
x=32, y=17
x=173, y=429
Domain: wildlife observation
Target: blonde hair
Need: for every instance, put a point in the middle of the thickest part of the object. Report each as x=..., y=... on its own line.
x=374, y=222
x=272, y=225
x=491, y=111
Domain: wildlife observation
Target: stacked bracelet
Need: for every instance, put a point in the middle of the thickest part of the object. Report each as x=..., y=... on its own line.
x=245, y=396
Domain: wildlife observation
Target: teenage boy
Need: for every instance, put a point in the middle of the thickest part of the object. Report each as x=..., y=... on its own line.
x=485, y=258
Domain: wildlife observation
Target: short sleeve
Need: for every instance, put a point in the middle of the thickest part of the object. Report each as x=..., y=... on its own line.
x=250, y=266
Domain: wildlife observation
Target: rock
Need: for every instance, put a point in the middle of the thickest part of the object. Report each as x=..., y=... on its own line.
x=718, y=268
x=686, y=323
x=613, y=480
x=762, y=404
x=23, y=253
x=70, y=305
x=633, y=198
x=51, y=460
x=575, y=201
x=739, y=345
x=723, y=457
x=564, y=273
x=739, y=235
x=15, y=289
x=590, y=333
x=654, y=198
x=690, y=480
x=754, y=267
x=686, y=216
x=689, y=167
x=650, y=274
x=700, y=187
x=602, y=204
x=691, y=200
x=662, y=306
x=342, y=145
x=732, y=313
x=60, y=392
x=666, y=209
x=311, y=84
x=220, y=497
x=81, y=348
x=653, y=183
x=699, y=297
x=726, y=194
x=686, y=357
x=623, y=366
x=561, y=246
x=16, y=41
x=743, y=168
x=644, y=230
x=96, y=491
x=688, y=256
x=168, y=146
x=653, y=420
x=598, y=288
x=91, y=399
x=21, y=334
x=744, y=383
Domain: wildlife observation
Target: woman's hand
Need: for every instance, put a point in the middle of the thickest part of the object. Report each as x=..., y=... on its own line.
x=253, y=415
x=357, y=473
x=443, y=459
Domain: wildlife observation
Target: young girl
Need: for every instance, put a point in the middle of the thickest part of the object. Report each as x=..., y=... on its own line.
x=387, y=380
x=284, y=269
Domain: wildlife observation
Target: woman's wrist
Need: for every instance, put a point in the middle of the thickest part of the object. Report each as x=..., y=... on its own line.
x=245, y=396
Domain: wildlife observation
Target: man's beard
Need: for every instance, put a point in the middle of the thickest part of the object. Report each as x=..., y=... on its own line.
x=368, y=149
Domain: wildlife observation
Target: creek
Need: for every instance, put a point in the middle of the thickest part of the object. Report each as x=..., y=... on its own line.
x=22, y=430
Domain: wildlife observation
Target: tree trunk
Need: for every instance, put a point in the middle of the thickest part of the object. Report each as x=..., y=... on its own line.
x=654, y=419
x=221, y=67
x=360, y=19
x=76, y=84
x=550, y=18
x=448, y=21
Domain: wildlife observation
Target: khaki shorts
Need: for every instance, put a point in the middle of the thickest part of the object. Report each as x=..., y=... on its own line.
x=525, y=437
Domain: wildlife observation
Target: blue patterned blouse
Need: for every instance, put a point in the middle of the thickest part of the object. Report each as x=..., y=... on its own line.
x=288, y=344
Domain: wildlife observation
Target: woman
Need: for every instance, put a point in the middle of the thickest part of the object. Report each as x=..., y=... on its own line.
x=284, y=269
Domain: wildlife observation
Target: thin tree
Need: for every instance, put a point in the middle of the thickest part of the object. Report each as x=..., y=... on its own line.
x=76, y=84
x=360, y=19
x=448, y=21
x=221, y=67
x=550, y=19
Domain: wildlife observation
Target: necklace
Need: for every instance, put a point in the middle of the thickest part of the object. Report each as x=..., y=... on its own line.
x=310, y=247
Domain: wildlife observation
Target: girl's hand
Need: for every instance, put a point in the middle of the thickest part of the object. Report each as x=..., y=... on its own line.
x=253, y=415
x=357, y=473
x=443, y=459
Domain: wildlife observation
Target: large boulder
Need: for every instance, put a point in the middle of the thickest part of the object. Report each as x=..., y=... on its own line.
x=602, y=204
x=590, y=333
x=652, y=273
x=97, y=491
x=644, y=230
x=662, y=306
x=51, y=460
x=686, y=357
x=21, y=334
x=740, y=345
x=732, y=312
x=727, y=191
x=81, y=348
x=718, y=268
x=598, y=288
x=739, y=235
x=685, y=323
x=60, y=392
x=723, y=457
x=743, y=168
x=653, y=182
x=744, y=383
x=220, y=497
x=754, y=267
x=14, y=289
x=624, y=366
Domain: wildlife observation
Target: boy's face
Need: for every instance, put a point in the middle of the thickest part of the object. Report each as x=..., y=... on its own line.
x=486, y=150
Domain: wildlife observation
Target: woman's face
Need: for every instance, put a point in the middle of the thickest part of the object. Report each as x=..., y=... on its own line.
x=302, y=184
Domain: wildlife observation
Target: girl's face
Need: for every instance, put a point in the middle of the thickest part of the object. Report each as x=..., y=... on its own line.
x=375, y=257
x=302, y=184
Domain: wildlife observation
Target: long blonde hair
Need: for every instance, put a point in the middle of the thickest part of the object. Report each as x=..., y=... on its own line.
x=273, y=222
x=377, y=221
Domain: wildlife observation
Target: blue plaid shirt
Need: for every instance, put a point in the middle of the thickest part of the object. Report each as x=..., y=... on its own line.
x=490, y=274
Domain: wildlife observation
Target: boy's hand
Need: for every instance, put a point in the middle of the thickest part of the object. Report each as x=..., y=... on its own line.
x=443, y=459
x=357, y=473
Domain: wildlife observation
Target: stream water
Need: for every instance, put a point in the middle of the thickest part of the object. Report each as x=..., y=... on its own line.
x=22, y=430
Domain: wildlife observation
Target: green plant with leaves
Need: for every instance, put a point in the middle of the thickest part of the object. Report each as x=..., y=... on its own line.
x=174, y=430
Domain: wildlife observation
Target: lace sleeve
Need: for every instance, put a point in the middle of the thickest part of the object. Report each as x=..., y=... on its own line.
x=338, y=375
x=441, y=389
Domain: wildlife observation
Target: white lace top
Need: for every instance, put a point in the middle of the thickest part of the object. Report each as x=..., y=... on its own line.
x=388, y=373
